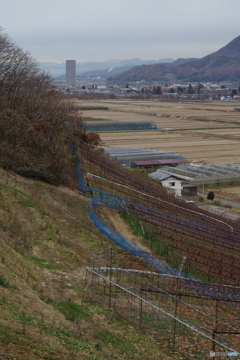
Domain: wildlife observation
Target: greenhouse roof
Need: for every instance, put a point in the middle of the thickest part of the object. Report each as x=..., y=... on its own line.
x=134, y=154
x=223, y=172
x=159, y=162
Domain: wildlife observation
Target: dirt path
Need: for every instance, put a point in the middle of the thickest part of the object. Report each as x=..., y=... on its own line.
x=118, y=224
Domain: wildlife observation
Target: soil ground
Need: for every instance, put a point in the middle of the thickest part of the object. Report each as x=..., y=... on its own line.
x=201, y=132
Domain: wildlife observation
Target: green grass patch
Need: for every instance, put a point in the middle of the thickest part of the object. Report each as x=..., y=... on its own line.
x=26, y=201
x=52, y=267
x=37, y=260
x=43, y=263
x=116, y=341
x=72, y=311
x=16, y=195
x=163, y=248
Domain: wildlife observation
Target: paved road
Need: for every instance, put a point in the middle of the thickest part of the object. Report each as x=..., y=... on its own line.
x=223, y=201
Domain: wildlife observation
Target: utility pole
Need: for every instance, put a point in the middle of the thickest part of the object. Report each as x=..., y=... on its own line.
x=203, y=177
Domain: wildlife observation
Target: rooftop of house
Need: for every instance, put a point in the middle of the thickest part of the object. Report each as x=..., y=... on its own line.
x=162, y=175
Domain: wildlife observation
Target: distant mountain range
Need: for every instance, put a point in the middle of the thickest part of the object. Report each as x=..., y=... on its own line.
x=103, y=69
x=222, y=65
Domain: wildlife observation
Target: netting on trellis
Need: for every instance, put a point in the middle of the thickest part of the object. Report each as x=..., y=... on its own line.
x=206, y=304
x=173, y=307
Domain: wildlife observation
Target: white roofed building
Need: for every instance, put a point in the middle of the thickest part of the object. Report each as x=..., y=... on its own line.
x=172, y=182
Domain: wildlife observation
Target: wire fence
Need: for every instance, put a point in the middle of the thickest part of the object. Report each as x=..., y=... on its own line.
x=185, y=317
x=202, y=309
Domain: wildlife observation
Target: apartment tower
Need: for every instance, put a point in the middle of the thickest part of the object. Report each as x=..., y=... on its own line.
x=71, y=72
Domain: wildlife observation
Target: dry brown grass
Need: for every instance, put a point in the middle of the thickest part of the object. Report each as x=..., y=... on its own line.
x=47, y=239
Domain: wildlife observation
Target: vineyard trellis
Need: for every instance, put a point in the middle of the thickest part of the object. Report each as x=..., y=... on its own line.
x=173, y=307
x=206, y=303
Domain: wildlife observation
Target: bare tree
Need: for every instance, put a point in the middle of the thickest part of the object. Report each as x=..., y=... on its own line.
x=34, y=117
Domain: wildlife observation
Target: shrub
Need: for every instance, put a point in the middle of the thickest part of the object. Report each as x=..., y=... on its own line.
x=210, y=195
x=98, y=346
x=228, y=206
x=72, y=310
x=3, y=282
x=40, y=174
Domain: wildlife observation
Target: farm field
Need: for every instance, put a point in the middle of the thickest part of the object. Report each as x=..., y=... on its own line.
x=231, y=193
x=202, y=132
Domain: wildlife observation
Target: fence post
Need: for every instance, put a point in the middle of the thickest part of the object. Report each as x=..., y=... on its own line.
x=84, y=286
x=214, y=332
x=140, y=310
x=110, y=278
x=175, y=314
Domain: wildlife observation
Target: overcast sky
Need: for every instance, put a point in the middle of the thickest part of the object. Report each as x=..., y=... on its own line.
x=98, y=30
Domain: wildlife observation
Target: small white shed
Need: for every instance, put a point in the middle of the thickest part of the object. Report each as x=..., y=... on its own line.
x=170, y=181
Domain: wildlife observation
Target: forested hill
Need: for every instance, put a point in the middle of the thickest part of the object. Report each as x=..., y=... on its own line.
x=37, y=122
x=222, y=65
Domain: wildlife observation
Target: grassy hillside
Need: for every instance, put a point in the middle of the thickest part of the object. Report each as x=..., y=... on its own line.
x=47, y=239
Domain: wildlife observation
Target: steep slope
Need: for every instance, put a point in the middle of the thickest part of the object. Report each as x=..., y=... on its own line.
x=47, y=238
x=222, y=65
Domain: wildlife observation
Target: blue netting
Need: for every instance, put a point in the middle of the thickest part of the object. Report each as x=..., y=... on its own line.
x=119, y=203
x=128, y=245
x=81, y=181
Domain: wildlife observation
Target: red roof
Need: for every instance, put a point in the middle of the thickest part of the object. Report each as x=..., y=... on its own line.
x=160, y=162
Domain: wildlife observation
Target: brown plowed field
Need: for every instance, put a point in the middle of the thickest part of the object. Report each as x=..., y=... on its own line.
x=201, y=131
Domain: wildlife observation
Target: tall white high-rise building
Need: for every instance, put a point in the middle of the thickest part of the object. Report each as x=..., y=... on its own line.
x=71, y=72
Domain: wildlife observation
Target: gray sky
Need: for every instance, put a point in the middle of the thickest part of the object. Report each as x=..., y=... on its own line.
x=98, y=30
